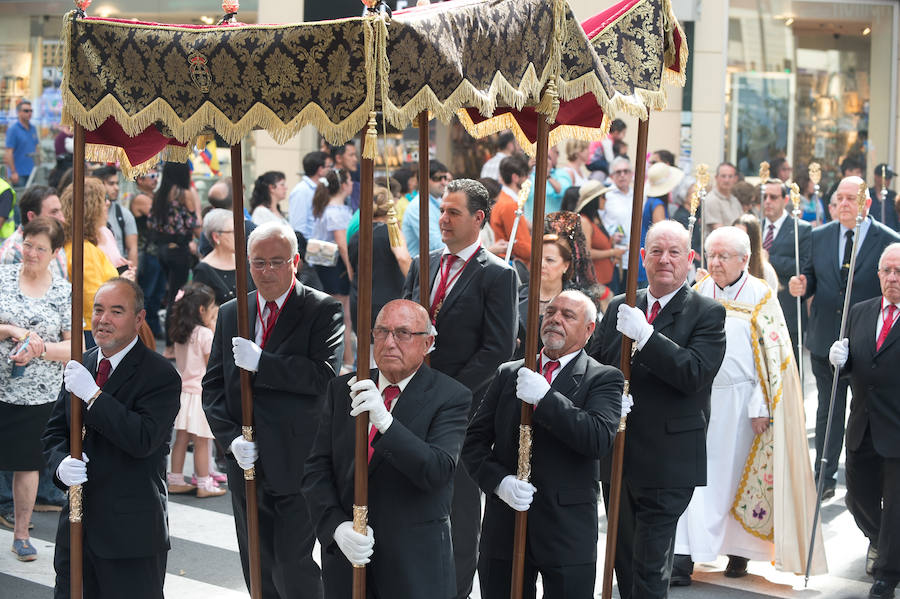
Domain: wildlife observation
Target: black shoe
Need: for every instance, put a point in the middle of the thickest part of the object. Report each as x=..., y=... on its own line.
x=871, y=556
x=828, y=492
x=882, y=589
x=737, y=567
x=682, y=569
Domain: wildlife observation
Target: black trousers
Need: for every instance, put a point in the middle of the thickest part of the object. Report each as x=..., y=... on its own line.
x=139, y=578
x=559, y=582
x=645, y=547
x=465, y=518
x=176, y=261
x=286, y=540
x=873, y=497
x=824, y=374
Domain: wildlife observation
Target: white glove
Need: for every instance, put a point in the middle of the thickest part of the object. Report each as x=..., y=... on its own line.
x=839, y=352
x=531, y=386
x=246, y=353
x=245, y=452
x=79, y=381
x=358, y=548
x=72, y=471
x=518, y=494
x=632, y=323
x=627, y=403
x=365, y=397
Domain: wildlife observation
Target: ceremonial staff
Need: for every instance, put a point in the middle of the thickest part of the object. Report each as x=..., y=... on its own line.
x=702, y=174
x=763, y=177
x=520, y=210
x=531, y=347
x=795, y=198
x=76, y=555
x=884, y=191
x=424, y=199
x=618, y=455
x=692, y=220
x=240, y=272
x=861, y=207
x=815, y=175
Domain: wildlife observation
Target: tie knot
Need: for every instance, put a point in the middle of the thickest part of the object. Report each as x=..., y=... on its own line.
x=391, y=392
x=104, y=367
x=272, y=306
x=451, y=259
x=771, y=226
x=849, y=234
x=890, y=310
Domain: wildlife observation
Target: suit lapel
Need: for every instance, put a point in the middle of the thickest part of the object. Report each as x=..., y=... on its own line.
x=893, y=334
x=785, y=233
x=290, y=314
x=251, y=314
x=666, y=316
x=124, y=370
x=832, y=243
x=409, y=403
x=872, y=240
x=434, y=265
x=570, y=377
x=465, y=277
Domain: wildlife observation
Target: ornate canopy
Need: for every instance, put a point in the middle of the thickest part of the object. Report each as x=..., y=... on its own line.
x=146, y=91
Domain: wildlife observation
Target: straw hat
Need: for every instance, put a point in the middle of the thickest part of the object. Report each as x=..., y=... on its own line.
x=587, y=192
x=662, y=178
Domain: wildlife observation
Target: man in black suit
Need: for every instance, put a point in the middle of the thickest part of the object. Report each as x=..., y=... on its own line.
x=825, y=279
x=293, y=352
x=577, y=409
x=131, y=396
x=474, y=307
x=883, y=176
x=417, y=420
x=778, y=241
x=870, y=355
x=679, y=344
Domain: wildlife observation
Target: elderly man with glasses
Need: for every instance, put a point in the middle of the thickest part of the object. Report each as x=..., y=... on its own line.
x=293, y=352
x=617, y=214
x=417, y=420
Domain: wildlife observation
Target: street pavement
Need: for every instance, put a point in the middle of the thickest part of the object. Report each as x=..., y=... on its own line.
x=204, y=562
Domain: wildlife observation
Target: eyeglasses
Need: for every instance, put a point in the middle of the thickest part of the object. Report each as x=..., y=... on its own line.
x=274, y=263
x=401, y=335
x=890, y=271
x=719, y=257
x=27, y=110
x=626, y=171
x=27, y=245
x=444, y=177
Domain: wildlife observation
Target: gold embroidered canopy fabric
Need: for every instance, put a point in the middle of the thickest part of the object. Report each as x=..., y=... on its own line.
x=174, y=83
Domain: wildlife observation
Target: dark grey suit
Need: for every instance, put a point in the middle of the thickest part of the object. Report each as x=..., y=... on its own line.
x=823, y=275
x=300, y=358
x=476, y=333
x=410, y=488
x=782, y=259
x=127, y=429
x=873, y=435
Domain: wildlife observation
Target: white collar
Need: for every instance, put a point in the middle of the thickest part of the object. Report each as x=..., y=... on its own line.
x=278, y=300
x=885, y=304
x=730, y=292
x=117, y=357
x=510, y=192
x=777, y=223
x=310, y=182
x=383, y=383
x=662, y=300
x=563, y=360
x=466, y=253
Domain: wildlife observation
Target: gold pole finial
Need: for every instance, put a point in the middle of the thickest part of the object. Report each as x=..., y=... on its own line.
x=795, y=196
x=763, y=172
x=861, y=198
x=815, y=173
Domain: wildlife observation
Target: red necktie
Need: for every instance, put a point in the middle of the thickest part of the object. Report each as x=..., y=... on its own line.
x=886, y=324
x=549, y=368
x=272, y=307
x=654, y=311
x=103, y=370
x=444, y=282
x=390, y=394
x=770, y=238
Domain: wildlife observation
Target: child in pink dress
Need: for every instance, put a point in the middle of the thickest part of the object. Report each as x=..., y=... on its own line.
x=193, y=321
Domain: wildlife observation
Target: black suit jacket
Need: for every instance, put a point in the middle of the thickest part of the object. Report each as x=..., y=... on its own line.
x=671, y=379
x=874, y=378
x=410, y=485
x=478, y=321
x=782, y=259
x=574, y=426
x=823, y=280
x=126, y=442
x=891, y=218
x=302, y=354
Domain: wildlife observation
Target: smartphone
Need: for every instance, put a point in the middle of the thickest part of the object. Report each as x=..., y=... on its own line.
x=122, y=268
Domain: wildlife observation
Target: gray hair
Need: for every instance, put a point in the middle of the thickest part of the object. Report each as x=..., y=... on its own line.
x=215, y=222
x=590, y=309
x=737, y=239
x=891, y=248
x=274, y=229
x=619, y=160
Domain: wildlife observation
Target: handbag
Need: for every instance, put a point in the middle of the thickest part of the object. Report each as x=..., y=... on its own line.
x=322, y=253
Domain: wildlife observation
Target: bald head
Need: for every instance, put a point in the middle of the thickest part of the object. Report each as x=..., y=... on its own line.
x=847, y=200
x=219, y=195
x=402, y=336
x=669, y=228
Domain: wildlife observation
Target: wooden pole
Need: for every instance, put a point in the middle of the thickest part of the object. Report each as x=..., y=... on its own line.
x=240, y=263
x=76, y=555
x=424, y=199
x=364, y=336
x=634, y=242
x=531, y=345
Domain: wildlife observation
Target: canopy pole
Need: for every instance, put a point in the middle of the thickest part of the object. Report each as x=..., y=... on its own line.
x=240, y=263
x=618, y=455
x=531, y=345
x=424, y=198
x=76, y=555
x=363, y=352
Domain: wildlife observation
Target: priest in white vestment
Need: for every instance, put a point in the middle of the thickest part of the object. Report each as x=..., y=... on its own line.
x=760, y=497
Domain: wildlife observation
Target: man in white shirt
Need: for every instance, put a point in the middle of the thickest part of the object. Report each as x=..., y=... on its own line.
x=417, y=420
x=506, y=146
x=315, y=165
x=721, y=207
x=617, y=214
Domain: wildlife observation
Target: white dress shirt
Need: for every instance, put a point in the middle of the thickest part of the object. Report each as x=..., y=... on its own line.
x=777, y=224
x=263, y=311
x=563, y=360
x=880, y=321
x=464, y=255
